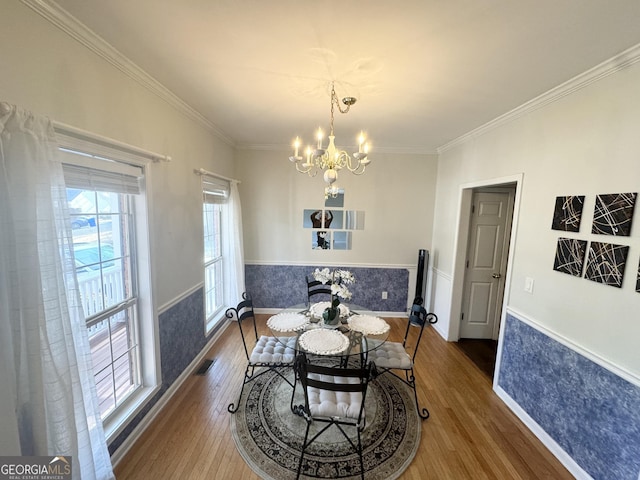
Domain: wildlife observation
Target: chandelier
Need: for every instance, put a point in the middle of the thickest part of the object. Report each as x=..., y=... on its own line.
x=331, y=159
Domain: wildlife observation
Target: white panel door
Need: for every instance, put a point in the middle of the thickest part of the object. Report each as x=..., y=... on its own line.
x=486, y=264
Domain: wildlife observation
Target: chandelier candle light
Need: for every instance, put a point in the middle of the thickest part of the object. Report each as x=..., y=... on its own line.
x=331, y=159
x=339, y=280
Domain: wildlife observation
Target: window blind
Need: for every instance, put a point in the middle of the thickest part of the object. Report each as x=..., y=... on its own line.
x=89, y=172
x=214, y=190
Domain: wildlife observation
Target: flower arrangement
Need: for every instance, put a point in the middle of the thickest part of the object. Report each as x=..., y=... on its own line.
x=339, y=279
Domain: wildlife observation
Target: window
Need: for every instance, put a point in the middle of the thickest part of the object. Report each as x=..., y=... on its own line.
x=107, y=205
x=215, y=195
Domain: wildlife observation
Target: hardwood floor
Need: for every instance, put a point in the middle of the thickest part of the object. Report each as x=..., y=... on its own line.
x=471, y=434
x=481, y=352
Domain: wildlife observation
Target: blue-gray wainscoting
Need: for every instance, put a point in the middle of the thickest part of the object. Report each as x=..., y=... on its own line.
x=181, y=340
x=280, y=286
x=593, y=414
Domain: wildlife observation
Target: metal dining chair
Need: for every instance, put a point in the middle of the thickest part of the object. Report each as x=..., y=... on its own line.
x=390, y=356
x=316, y=287
x=268, y=353
x=335, y=396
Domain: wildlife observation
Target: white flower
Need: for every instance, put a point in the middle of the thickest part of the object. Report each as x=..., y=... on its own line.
x=338, y=278
x=324, y=275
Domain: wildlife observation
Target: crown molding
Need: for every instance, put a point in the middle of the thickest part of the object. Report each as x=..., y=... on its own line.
x=410, y=150
x=604, y=69
x=59, y=17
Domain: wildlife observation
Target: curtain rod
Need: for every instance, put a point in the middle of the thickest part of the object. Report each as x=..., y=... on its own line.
x=78, y=133
x=202, y=171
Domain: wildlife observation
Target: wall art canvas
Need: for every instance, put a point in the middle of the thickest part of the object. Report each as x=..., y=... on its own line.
x=613, y=214
x=570, y=256
x=568, y=213
x=638, y=280
x=606, y=262
x=321, y=240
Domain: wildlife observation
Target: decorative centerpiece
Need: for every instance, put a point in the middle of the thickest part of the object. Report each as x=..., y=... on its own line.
x=339, y=280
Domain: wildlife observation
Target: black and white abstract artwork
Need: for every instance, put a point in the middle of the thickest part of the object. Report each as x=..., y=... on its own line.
x=568, y=213
x=613, y=214
x=638, y=280
x=606, y=262
x=570, y=256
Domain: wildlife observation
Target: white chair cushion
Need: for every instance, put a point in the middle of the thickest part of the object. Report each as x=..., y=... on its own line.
x=272, y=350
x=391, y=355
x=327, y=403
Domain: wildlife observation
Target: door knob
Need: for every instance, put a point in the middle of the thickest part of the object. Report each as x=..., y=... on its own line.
x=496, y=275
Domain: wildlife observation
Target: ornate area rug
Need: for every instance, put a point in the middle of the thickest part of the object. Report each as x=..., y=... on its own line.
x=269, y=436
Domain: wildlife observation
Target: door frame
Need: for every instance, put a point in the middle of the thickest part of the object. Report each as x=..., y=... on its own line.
x=460, y=252
x=509, y=190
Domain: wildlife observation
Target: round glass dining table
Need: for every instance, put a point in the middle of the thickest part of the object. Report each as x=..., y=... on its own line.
x=358, y=331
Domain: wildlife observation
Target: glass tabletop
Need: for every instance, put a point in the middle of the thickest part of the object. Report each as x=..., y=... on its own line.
x=357, y=332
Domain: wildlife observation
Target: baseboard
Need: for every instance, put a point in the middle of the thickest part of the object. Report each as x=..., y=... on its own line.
x=543, y=436
x=146, y=421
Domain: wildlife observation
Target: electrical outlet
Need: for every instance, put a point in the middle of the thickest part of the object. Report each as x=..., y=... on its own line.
x=384, y=295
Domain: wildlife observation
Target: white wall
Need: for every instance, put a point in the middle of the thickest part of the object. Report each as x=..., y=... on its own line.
x=585, y=143
x=396, y=193
x=46, y=71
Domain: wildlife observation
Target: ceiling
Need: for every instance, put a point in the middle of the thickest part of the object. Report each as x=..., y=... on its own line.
x=424, y=71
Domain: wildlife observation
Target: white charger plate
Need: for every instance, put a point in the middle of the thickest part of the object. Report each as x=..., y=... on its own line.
x=323, y=341
x=287, y=322
x=368, y=325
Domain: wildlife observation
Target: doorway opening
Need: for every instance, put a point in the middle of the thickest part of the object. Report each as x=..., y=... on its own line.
x=482, y=271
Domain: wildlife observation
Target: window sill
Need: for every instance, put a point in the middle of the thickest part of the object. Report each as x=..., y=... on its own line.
x=120, y=419
x=214, y=323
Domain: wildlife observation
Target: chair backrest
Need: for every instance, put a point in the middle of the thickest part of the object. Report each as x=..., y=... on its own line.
x=243, y=313
x=315, y=287
x=304, y=371
x=418, y=318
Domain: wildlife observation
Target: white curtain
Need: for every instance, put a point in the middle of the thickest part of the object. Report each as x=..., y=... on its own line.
x=236, y=255
x=48, y=403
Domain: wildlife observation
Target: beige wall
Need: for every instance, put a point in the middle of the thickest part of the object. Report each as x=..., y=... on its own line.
x=46, y=71
x=396, y=193
x=585, y=143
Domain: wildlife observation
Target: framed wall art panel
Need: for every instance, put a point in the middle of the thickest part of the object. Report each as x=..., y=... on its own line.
x=606, y=262
x=570, y=256
x=613, y=214
x=568, y=213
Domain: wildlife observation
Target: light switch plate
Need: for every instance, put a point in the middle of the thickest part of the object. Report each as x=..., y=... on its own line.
x=528, y=285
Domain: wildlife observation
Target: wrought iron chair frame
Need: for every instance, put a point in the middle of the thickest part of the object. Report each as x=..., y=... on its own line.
x=418, y=317
x=303, y=368
x=241, y=313
x=316, y=287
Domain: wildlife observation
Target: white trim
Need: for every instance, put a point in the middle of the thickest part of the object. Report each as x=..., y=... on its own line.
x=179, y=298
x=543, y=436
x=146, y=421
x=461, y=243
x=442, y=274
x=312, y=264
x=88, y=38
x=604, y=69
x=594, y=357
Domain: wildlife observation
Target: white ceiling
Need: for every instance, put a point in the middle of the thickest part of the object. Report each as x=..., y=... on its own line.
x=424, y=71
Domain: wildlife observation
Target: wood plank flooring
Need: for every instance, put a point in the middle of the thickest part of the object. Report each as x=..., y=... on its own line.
x=471, y=434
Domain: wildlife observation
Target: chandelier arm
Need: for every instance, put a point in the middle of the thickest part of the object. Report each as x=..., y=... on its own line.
x=311, y=171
